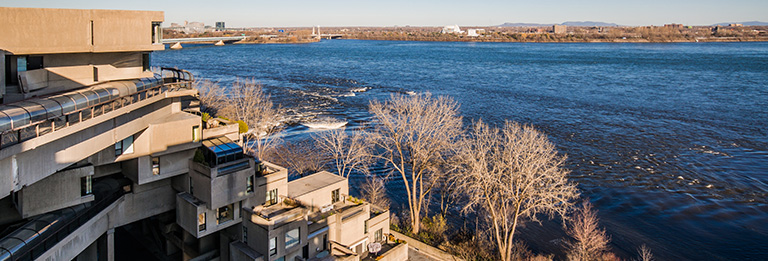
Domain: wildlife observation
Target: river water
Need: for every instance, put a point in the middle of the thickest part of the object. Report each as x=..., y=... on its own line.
x=669, y=141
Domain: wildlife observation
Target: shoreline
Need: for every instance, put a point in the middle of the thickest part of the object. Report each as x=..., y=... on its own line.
x=702, y=40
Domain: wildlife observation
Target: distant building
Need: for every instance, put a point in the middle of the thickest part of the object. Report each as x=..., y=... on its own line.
x=452, y=29
x=735, y=25
x=220, y=26
x=559, y=29
x=680, y=26
x=475, y=32
x=194, y=27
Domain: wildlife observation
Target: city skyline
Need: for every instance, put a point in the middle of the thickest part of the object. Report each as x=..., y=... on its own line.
x=302, y=13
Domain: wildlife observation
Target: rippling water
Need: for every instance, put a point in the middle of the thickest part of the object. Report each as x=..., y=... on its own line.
x=670, y=141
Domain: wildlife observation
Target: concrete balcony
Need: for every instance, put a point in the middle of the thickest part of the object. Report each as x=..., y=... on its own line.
x=287, y=210
x=197, y=219
x=220, y=127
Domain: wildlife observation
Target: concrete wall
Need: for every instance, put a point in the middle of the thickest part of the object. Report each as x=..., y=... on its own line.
x=424, y=248
x=145, y=201
x=220, y=190
x=322, y=196
x=315, y=242
x=172, y=130
x=276, y=180
x=36, y=198
x=397, y=253
x=348, y=227
x=187, y=211
x=172, y=164
x=38, y=31
x=259, y=241
x=380, y=221
x=231, y=131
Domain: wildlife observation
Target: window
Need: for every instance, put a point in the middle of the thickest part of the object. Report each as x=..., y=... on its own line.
x=155, y=165
x=157, y=32
x=191, y=187
x=335, y=196
x=21, y=64
x=325, y=242
x=225, y=214
x=249, y=184
x=377, y=236
x=292, y=238
x=124, y=146
x=272, y=246
x=86, y=185
x=195, y=133
x=201, y=221
x=271, y=197
x=34, y=62
x=145, y=60
x=245, y=234
x=365, y=227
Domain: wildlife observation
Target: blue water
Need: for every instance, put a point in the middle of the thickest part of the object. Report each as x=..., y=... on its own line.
x=669, y=141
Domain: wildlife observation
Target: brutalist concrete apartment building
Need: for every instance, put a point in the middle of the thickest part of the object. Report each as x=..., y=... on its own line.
x=98, y=149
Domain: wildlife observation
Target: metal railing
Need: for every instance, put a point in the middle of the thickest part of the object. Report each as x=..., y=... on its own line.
x=172, y=80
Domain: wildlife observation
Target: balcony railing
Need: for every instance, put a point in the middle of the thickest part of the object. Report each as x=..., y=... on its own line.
x=40, y=122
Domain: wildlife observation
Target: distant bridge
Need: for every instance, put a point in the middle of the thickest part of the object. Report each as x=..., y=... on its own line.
x=204, y=39
x=328, y=36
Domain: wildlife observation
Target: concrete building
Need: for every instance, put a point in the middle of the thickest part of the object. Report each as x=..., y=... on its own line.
x=475, y=32
x=193, y=27
x=220, y=26
x=559, y=29
x=94, y=144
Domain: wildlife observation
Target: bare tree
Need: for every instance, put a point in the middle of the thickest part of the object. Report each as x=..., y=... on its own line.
x=212, y=96
x=301, y=157
x=348, y=152
x=590, y=241
x=414, y=135
x=509, y=176
x=245, y=101
x=644, y=253
x=374, y=191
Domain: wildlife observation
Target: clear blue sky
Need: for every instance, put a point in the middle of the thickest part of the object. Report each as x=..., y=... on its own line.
x=293, y=13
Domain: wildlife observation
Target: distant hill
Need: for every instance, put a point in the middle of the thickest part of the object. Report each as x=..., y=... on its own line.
x=588, y=23
x=569, y=23
x=750, y=23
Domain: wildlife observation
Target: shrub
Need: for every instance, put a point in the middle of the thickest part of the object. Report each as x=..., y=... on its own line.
x=199, y=158
x=205, y=117
x=242, y=126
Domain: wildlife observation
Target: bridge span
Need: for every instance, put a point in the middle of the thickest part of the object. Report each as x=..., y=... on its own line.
x=204, y=39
